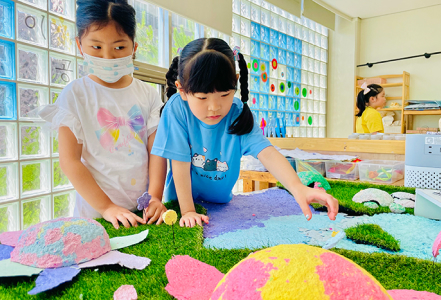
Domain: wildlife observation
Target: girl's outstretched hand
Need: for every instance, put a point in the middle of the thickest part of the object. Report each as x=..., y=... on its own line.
x=305, y=195
x=115, y=214
x=192, y=218
x=154, y=211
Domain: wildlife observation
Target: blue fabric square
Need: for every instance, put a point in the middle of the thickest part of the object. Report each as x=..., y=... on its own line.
x=255, y=31
x=282, y=56
x=7, y=16
x=274, y=37
x=254, y=101
x=263, y=101
x=255, y=48
x=264, y=51
x=8, y=102
x=264, y=34
x=282, y=40
x=274, y=53
x=290, y=46
x=254, y=83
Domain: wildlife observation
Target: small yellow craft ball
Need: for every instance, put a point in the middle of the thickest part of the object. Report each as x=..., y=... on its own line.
x=170, y=217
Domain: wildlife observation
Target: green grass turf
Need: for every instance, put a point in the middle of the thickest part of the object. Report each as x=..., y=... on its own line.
x=392, y=271
x=344, y=191
x=372, y=234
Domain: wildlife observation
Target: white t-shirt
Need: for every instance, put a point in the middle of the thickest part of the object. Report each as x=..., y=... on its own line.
x=113, y=125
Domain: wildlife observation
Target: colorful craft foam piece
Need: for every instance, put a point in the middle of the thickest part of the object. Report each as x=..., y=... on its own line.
x=60, y=248
x=282, y=272
x=310, y=177
x=436, y=246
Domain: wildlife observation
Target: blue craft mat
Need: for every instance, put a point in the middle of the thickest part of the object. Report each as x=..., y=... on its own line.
x=279, y=220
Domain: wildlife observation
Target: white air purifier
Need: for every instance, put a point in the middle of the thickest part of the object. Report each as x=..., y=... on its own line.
x=423, y=161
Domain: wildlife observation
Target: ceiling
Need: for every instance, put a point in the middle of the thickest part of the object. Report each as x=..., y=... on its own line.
x=374, y=8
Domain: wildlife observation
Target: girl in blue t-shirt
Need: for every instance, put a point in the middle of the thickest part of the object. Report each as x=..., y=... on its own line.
x=204, y=130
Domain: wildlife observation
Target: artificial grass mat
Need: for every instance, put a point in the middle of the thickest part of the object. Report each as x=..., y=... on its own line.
x=344, y=191
x=372, y=234
x=392, y=271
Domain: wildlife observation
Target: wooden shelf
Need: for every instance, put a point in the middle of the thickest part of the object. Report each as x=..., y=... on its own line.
x=391, y=109
x=393, y=98
x=423, y=112
x=395, y=84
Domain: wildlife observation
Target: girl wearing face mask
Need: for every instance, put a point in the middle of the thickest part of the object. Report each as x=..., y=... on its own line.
x=368, y=100
x=107, y=121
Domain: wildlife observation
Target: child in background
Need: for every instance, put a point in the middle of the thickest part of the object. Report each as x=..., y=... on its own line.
x=368, y=100
x=107, y=121
x=204, y=130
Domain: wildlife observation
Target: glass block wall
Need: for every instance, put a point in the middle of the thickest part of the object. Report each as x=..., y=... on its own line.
x=38, y=57
x=287, y=60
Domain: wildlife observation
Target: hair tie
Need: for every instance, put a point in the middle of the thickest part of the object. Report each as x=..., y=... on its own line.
x=365, y=88
x=236, y=50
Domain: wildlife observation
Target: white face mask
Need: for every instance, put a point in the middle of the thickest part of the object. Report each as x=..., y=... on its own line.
x=108, y=70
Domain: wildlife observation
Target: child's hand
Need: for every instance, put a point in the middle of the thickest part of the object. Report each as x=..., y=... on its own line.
x=192, y=218
x=305, y=196
x=116, y=213
x=154, y=211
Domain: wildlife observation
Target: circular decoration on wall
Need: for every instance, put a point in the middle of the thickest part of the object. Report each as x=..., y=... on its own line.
x=254, y=100
x=282, y=87
x=289, y=84
x=310, y=120
x=262, y=67
x=297, y=91
x=298, y=119
x=249, y=65
x=304, y=92
x=255, y=79
x=255, y=65
x=274, y=63
x=282, y=74
x=303, y=118
x=264, y=77
x=296, y=105
x=273, y=88
x=310, y=92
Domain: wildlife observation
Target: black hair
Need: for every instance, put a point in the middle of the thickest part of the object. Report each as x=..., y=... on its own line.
x=102, y=12
x=363, y=100
x=208, y=66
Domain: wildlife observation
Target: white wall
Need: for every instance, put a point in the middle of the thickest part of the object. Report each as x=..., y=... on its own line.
x=405, y=34
x=343, y=55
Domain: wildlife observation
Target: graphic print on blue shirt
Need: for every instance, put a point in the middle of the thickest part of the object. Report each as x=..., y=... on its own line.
x=199, y=161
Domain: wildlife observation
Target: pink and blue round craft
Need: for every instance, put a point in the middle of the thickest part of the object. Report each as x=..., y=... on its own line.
x=60, y=243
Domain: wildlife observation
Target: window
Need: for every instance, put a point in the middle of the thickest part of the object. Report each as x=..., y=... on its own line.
x=151, y=34
x=287, y=60
x=184, y=31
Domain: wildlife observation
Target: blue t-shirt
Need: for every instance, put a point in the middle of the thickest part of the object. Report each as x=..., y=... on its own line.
x=213, y=152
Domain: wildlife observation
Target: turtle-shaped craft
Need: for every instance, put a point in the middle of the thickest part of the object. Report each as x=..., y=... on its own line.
x=294, y=271
x=60, y=248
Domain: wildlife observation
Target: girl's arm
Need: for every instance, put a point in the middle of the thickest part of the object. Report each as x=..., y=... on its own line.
x=83, y=181
x=277, y=165
x=157, y=173
x=182, y=178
